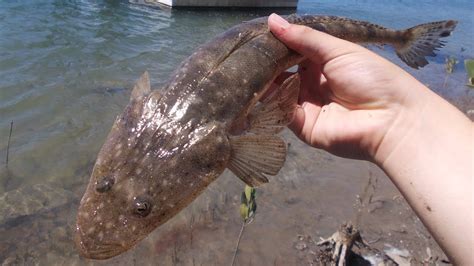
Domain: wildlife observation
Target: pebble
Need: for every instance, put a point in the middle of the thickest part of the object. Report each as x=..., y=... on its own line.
x=301, y=246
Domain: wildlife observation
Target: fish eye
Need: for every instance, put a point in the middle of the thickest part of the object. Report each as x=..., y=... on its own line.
x=104, y=184
x=141, y=207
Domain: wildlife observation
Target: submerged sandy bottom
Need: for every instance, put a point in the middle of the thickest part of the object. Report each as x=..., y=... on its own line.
x=311, y=197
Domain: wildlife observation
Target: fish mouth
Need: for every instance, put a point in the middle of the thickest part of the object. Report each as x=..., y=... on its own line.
x=104, y=251
x=99, y=251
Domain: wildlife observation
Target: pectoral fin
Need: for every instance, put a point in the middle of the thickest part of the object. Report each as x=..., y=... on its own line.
x=254, y=156
x=276, y=112
x=141, y=88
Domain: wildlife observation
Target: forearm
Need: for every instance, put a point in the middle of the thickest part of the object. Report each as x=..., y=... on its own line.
x=432, y=166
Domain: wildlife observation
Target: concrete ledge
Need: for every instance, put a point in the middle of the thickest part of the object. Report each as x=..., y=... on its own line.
x=222, y=3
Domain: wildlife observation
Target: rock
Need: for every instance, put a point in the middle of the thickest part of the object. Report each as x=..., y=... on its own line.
x=401, y=256
x=10, y=261
x=59, y=233
x=30, y=200
x=301, y=246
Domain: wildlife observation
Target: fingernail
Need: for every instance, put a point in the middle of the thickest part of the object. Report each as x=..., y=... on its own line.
x=281, y=22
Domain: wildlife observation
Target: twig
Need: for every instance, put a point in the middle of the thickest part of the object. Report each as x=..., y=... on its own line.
x=248, y=206
x=8, y=144
x=449, y=67
x=445, y=83
x=366, y=197
x=238, y=243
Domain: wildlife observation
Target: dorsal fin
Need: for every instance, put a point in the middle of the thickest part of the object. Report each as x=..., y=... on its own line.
x=142, y=87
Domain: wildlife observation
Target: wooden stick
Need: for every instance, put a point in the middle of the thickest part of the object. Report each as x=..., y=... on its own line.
x=8, y=144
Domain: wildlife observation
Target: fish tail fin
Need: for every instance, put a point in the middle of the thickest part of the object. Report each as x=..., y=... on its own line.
x=423, y=40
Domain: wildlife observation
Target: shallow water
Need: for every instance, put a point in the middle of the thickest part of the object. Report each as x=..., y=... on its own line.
x=66, y=68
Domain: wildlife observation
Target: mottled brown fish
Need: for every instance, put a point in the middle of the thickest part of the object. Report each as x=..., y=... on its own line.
x=164, y=150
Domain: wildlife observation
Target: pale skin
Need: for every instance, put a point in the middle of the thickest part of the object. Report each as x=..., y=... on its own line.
x=355, y=104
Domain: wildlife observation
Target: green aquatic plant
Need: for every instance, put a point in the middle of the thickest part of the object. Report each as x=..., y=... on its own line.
x=451, y=62
x=248, y=207
x=469, y=65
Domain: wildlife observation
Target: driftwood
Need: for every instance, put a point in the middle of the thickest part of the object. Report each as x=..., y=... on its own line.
x=340, y=244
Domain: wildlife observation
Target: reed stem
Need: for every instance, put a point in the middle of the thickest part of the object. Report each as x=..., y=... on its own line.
x=8, y=144
x=238, y=243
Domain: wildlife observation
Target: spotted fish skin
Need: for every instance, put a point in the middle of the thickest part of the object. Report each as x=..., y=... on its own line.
x=166, y=148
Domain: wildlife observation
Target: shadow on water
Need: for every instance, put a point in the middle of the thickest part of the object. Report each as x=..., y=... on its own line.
x=66, y=73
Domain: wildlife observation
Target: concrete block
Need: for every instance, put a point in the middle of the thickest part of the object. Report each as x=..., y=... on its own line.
x=221, y=3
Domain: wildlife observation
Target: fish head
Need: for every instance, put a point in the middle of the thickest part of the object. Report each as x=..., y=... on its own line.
x=144, y=174
x=117, y=209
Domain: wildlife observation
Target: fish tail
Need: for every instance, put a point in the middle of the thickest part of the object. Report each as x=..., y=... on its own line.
x=412, y=45
x=423, y=40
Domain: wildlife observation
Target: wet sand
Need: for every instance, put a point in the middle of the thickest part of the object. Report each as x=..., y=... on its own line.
x=311, y=197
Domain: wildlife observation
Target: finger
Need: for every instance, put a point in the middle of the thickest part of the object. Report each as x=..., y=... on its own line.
x=324, y=90
x=317, y=46
x=297, y=123
x=323, y=80
x=304, y=121
x=310, y=74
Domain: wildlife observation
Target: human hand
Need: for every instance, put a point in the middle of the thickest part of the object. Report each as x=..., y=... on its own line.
x=354, y=103
x=350, y=98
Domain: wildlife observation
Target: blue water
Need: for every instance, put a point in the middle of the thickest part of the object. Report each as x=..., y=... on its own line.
x=66, y=68
x=405, y=14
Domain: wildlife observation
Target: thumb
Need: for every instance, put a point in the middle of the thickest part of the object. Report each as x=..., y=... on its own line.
x=317, y=46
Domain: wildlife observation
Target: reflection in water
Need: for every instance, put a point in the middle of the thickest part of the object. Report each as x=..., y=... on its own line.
x=65, y=67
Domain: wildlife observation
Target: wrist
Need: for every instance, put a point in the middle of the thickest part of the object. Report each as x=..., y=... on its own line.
x=427, y=155
x=404, y=119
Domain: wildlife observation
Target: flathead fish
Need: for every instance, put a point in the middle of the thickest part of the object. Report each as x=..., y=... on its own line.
x=169, y=144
